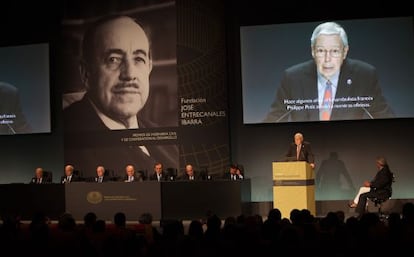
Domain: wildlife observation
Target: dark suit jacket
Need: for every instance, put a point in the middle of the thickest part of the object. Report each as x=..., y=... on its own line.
x=227, y=176
x=88, y=142
x=381, y=188
x=137, y=178
x=356, y=78
x=305, y=154
x=164, y=176
x=104, y=179
x=45, y=180
x=74, y=178
x=10, y=105
x=382, y=183
x=185, y=177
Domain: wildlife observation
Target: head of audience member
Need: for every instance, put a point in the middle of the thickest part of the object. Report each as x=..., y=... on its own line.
x=274, y=215
x=329, y=44
x=69, y=170
x=195, y=229
x=145, y=218
x=38, y=173
x=213, y=225
x=100, y=171
x=39, y=218
x=115, y=67
x=99, y=226
x=66, y=222
x=89, y=219
x=120, y=219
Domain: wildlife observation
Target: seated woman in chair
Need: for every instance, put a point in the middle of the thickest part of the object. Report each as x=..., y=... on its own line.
x=379, y=187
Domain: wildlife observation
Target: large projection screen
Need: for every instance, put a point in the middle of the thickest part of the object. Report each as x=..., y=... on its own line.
x=386, y=44
x=24, y=89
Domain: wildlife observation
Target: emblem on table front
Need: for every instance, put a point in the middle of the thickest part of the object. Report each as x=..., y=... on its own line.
x=94, y=197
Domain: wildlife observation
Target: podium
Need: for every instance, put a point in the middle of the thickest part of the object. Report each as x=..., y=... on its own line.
x=293, y=187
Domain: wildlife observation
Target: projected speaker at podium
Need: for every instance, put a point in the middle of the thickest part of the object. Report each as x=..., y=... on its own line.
x=294, y=179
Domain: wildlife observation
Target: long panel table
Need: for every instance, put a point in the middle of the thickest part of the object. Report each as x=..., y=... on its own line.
x=25, y=200
x=106, y=199
x=197, y=199
x=164, y=200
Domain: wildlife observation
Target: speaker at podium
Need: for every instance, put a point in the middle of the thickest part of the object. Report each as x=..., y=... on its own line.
x=293, y=187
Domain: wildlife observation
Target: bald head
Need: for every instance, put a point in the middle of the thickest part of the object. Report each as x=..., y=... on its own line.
x=69, y=170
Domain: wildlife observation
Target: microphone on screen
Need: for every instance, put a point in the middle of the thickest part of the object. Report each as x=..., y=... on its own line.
x=368, y=113
x=11, y=129
x=284, y=115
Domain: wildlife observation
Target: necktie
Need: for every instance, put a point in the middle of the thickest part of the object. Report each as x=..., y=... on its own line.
x=325, y=113
x=100, y=179
x=298, y=152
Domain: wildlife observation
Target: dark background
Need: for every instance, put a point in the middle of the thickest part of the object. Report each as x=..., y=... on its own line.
x=348, y=148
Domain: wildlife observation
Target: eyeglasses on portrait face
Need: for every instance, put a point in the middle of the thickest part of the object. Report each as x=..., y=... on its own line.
x=334, y=52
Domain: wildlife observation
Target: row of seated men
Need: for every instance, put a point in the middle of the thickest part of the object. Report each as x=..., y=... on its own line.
x=131, y=175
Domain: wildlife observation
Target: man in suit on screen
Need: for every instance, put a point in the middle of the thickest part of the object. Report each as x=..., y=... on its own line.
x=331, y=86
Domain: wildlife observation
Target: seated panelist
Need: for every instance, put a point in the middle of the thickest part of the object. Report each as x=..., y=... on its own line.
x=100, y=175
x=159, y=174
x=131, y=175
x=40, y=177
x=69, y=176
x=189, y=174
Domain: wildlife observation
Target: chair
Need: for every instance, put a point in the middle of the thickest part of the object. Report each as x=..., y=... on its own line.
x=378, y=202
x=110, y=174
x=79, y=174
x=47, y=177
x=204, y=173
x=171, y=173
x=144, y=174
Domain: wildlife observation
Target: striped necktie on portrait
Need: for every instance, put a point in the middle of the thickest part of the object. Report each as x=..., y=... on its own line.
x=326, y=107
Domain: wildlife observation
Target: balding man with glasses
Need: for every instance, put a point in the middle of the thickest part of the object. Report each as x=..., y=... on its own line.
x=331, y=86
